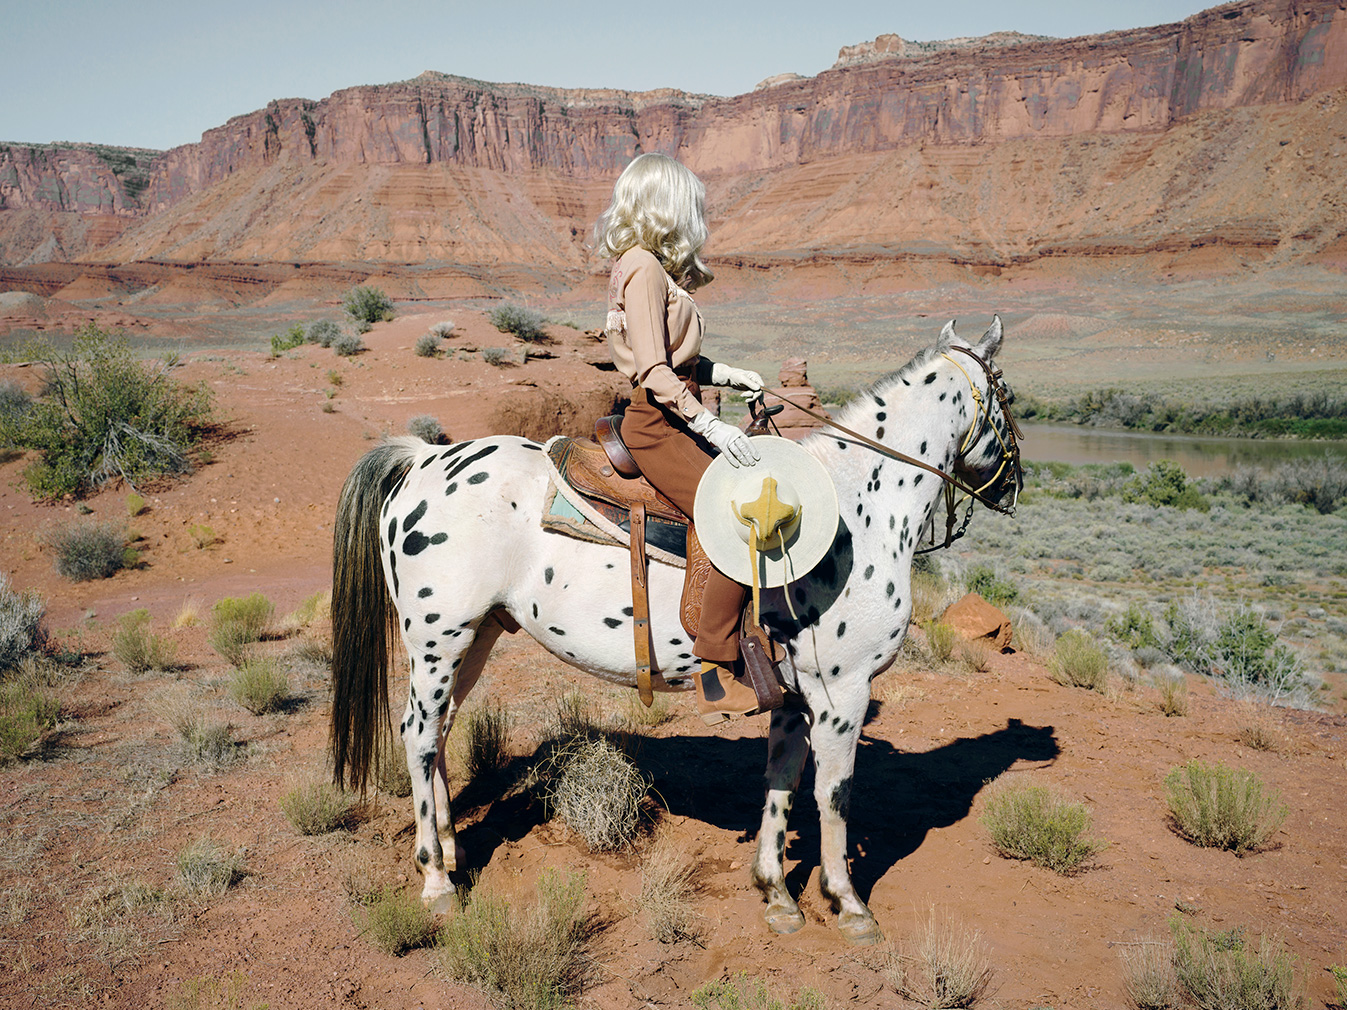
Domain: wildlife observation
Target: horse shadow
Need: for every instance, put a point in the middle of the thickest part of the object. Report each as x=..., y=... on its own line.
x=897, y=799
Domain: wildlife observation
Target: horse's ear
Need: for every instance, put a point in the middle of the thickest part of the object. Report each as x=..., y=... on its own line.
x=991, y=340
x=947, y=336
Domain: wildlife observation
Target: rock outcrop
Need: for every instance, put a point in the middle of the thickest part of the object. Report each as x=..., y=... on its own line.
x=446, y=168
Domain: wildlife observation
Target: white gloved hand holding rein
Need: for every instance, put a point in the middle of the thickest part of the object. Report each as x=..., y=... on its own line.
x=744, y=379
x=733, y=444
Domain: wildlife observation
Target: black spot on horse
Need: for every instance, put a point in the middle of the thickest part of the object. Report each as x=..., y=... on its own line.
x=869, y=570
x=415, y=543
x=879, y=432
x=463, y=464
x=451, y=488
x=888, y=590
x=880, y=401
x=930, y=379
x=432, y=618
x=425, y=591
x=548, y=575
x=415, y=515
x=881, y=416
x=392, y=530
x=422, y=856
x=431, y=658
x=627, y=611
x=923, y=446
x=477, y=478
x=555, y=630
x=835, y=671
x=612, y=622
x=840, y=800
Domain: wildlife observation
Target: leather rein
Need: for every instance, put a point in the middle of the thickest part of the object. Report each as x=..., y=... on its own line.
x=1009, y=471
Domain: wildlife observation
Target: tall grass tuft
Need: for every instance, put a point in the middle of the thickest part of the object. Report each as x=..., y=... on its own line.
x=28, y=710
x=1216, y=806
x=1219, y=972
x=526, y=956
x=949, y=966
x=941, y=640
x=259, y=685
x=395, y=922
x=665, y=897
x=205, y=867
x=739, y=992
x=485, y=739
x=316, y=808
x=237, y=622
x=205, y=741
x=1035, y=823
x=137, y=648
x=1173, y=696
x=1148, y=975
x=1078, y=661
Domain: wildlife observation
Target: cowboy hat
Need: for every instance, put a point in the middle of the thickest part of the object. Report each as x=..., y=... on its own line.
x=778, y=516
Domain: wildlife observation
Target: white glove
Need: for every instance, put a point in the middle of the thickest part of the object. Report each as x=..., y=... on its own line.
x=737, y=378
x=733, y=444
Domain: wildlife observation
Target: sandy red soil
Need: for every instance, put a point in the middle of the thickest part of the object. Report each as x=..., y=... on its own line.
x=111, y=799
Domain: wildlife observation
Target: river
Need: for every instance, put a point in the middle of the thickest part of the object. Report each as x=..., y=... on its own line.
x=1199, y=456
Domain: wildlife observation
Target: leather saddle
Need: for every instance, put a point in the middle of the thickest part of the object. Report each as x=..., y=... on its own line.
x=605, y=473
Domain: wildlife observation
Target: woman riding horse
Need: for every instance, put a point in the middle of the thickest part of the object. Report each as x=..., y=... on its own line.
x=656, y=227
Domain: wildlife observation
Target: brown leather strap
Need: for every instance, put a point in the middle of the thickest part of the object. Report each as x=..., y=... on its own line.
x=640, y=605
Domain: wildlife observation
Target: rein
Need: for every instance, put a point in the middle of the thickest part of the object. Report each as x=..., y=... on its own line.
x=1010, y=453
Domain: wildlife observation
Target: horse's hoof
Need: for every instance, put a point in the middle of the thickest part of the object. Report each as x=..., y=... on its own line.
x=860, y=931
x=784, y=920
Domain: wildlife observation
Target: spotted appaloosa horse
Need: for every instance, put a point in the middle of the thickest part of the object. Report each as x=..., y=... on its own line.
x=445, y=543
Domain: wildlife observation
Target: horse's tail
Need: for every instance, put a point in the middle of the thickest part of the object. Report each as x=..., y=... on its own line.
x=362, y=613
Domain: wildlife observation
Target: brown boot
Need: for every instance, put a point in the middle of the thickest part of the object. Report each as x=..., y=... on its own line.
x=720, y=695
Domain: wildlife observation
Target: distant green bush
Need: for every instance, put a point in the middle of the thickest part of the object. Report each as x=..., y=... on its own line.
x=87, y=550
x=138, y=649
x=427, y=346
x=1216, y=806
x=983, y=580
x=104, y=415
x=294, y=337
x=524, y=323
x=1078, y=661
x=367, y=304
x=237, y=622
x=496, y=356
x=1165, y=484
x=15, y=403
x=347, y=344
x=1134, y=627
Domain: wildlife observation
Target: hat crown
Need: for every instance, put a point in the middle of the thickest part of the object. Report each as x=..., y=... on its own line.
x=769, y=519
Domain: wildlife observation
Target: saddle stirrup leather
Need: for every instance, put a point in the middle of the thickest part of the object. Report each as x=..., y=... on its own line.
x=640, y=604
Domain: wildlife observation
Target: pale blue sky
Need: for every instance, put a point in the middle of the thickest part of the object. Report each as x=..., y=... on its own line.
x=157, y=73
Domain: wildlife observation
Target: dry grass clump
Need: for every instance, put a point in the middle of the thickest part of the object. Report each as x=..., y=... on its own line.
x=1148, y=975
x=395, y=921
x=635, y=717
x=596, y=790
x=666, y=893
x=928, y=596
x=1038, y=824
x=188, y=615
x=525, y=956
x=205, y=741
x=390, y=767
x=314, y=608
x=22, y=629
x=139, y=650
x=444, y=329
x=237, y=623
x=948, y=967
x=1028, y=633
x=941, y=640
x=1173, y=696
x=739, y=992
x=28, y=710
x=574, y=717
x=1216, y=806
x=485, y=739
x=975, y=657
x=1217, y=971
x=899, y=693
x=1256, y=731
x=107, y=916
x=205, y=867
x=83, y=551
x=1078, y=661
x=316, y=808
x=259, y=685
x=205, y=992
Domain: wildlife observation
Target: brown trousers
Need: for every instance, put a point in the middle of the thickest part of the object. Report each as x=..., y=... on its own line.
x=673, y=460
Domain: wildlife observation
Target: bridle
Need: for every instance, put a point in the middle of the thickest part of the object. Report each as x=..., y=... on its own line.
x=1009, y=476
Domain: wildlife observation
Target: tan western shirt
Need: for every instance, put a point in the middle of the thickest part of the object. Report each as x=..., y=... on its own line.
x=654, y=330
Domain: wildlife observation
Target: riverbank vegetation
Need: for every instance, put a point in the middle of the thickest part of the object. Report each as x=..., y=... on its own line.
x=1175, y=575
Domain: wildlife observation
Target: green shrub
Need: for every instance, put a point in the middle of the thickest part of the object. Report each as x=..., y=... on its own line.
x=206, y=868
x=427, y=428
x=1078, y=661
x=82, y=551
x=104, y=415
x=526, y=956
x=1148, y=975
x=1219, y=972
x=27, y=711
x=486, y=735
x=294, y=337
x=367, y=304
x=322, y=332
x=22, y=632
x=1134, y=627
x=597, y=791
x=395, y=922
x=259, y=685
x=427, y=346
x=137, y=649
x=1216, y=806
x=1035, y=823
x=1164, y=484
x=984, y=581
x=205, y=741
x=1339, y=983
x=524, y=323
x=237, y=622
x=1173, y=696
x=348, y=344
x=135, y=505
x=739, y=992
x=317, y=808
x=941, y=639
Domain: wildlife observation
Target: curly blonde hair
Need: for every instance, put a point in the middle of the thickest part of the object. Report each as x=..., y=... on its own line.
x=659, y=205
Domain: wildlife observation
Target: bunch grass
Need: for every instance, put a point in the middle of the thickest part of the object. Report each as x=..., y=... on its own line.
x=1219, y=971
x=395, y=922
x=138, y=649
x=1216, y=806
x=1038, y=824
x=1078, y=661
x=317, y=808
x=259, y=685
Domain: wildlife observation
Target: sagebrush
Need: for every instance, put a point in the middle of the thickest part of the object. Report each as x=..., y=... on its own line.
x=237, y=622
x=83, y=551
x=1217, y=806
x=315, y=808
x=22, y=629
x=395, y=922
x=1220, y=972
x=1039, y=824
x=367, y=304
x=524, y=323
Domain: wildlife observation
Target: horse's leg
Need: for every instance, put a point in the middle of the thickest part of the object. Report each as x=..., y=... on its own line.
x=788, y=744
x=834, y=741
x=433, y=686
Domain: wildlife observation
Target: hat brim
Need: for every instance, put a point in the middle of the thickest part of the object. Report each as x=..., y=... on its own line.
x=801, y=477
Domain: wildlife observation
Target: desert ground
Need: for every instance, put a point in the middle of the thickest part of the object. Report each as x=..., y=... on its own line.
x=108, y=800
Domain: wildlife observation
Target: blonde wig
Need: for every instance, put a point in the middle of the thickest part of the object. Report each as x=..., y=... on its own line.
x=659, y=205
